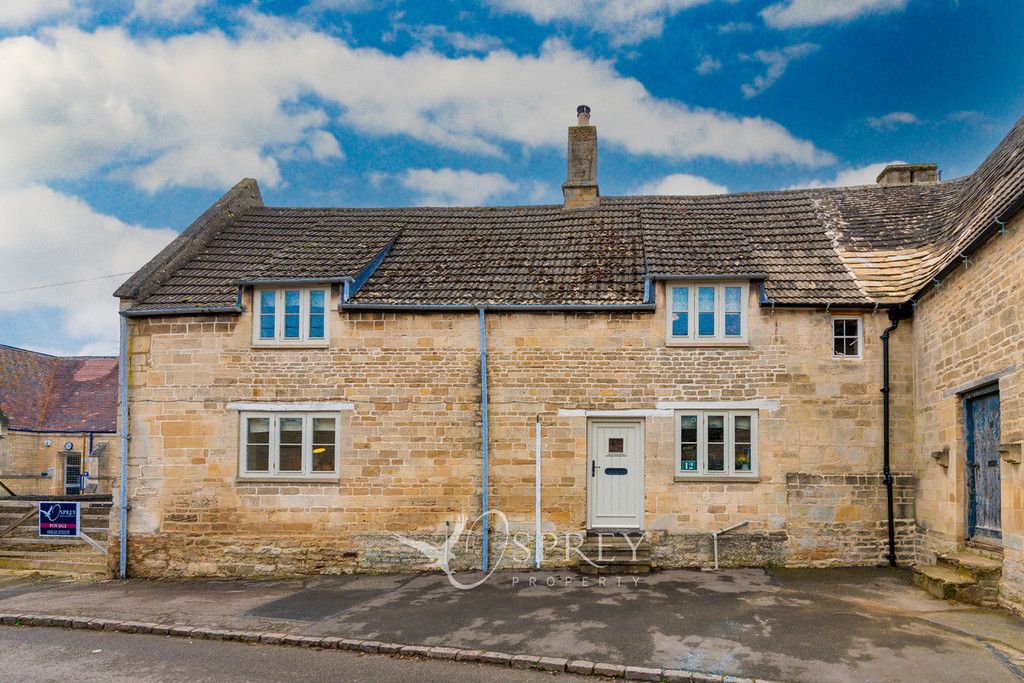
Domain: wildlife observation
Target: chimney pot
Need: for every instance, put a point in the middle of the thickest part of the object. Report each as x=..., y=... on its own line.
x=583, y=115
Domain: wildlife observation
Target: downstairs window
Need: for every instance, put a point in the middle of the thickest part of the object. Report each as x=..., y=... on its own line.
x=716, y=443
x=289, y=445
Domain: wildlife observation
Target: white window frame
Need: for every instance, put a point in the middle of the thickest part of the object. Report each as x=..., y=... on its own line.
x=860, y=337
x=304, y=316
x=275, y=436
x=719, y=338
x=730, y=438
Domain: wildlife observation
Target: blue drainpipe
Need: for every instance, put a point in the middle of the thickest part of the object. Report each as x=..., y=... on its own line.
x=122, y=372
x=483, y=428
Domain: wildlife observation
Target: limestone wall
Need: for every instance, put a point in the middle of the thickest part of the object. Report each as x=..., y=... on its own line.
x=967, y=330
x=24, y=457
x=410, y=457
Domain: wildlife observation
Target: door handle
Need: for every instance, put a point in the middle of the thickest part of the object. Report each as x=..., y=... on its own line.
x=593, y=467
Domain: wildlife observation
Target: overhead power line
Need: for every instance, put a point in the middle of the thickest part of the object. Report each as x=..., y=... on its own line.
x=62, y=284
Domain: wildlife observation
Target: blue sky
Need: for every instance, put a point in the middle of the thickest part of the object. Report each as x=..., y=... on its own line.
x=122, y=120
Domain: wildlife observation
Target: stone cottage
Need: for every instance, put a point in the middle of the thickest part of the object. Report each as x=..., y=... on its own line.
x=58, y=420
x=837, y=371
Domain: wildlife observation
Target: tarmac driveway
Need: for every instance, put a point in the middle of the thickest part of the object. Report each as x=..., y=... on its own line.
x=797, y=625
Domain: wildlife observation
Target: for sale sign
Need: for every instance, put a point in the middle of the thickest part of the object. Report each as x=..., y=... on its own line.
x=59, y=518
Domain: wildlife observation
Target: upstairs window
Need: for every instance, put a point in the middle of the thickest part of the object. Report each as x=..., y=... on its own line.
x=716, y=443
x=291, y=315
x=707, y=313
x=289, y=445
x=846, y=337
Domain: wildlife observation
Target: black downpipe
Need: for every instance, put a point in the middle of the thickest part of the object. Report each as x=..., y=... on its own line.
x=895, y=315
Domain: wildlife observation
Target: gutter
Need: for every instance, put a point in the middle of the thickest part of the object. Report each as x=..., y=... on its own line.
x=122, y=381
x=180, y=311
x=537, y=308
x=895, y=315
x=998, y=224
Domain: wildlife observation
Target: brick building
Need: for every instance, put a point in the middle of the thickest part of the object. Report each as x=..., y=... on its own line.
x=304, y=383
x=58, y=421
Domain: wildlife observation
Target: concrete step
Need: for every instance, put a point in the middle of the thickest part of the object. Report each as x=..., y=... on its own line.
x=60, y=562
x=8, y=541
x=990, y=551
x=973, y=565
x=946, y=583
x=608, y=555
x=614, y=568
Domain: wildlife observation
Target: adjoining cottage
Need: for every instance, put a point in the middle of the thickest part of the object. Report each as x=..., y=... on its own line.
x=305, y=383
x=58, y=420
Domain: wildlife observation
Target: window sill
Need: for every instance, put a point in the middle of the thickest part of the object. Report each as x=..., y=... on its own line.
x=709, y=343
x=251, y=479
x=320, y=344
x=847, y=358
x=717, y=480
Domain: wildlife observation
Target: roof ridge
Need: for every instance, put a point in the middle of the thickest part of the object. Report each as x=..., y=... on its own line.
x=23, y=350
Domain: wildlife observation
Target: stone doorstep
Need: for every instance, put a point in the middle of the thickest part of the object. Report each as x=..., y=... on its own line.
x=520, y=661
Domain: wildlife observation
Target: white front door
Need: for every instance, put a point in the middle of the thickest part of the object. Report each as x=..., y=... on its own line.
x=615, y=474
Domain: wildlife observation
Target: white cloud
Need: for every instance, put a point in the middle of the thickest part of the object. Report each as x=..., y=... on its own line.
x=342, y=5
x=430, y=35
x=965, y=116
x=735, y=27
x=792, y=13
x=172, y=11
x=681, y=183
x=454, y=187
x=777, y=62
x=47, y=236
x=892, y=120
x=707, y=65
x=625, y=21
x=324, y=146
x=862, y=175
x=19, y=13
x=206, y=166
x=74, y=102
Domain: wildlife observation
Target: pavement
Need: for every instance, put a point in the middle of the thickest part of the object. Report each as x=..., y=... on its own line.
x=43, y=654
x=862, y=624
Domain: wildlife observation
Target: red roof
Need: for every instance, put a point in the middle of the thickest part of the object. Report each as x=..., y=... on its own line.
x=44, y=393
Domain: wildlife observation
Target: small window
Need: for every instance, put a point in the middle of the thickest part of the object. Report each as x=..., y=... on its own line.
x=707, y=313
x=291, y=316
x=289, y=445
x=846, y=338
x=716, y=443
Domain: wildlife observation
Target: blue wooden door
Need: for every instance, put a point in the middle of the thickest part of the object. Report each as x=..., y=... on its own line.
x=981, y=416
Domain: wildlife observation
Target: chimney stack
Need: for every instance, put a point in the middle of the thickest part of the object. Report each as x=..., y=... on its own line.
x=909, y=174
x=580, y=188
